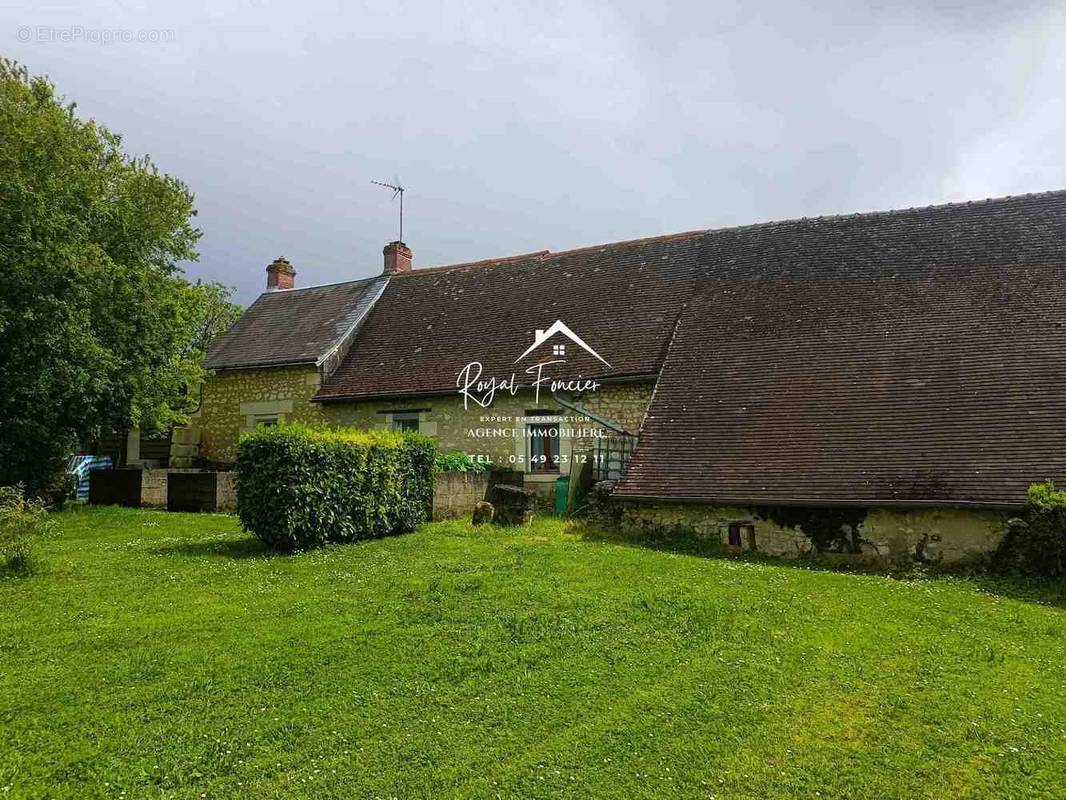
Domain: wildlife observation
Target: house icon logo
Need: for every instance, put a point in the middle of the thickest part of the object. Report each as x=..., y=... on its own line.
x=559, y=347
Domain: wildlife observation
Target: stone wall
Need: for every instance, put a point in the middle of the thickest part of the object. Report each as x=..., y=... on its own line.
x=456, y=493
x=928, y=534
x=236, y=400
x=226, y=492
x=492, y=434
x=624, y=404
x=154, y=488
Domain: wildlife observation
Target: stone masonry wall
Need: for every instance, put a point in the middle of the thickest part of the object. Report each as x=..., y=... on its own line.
x=932, y=534
x=154, y=488
x=233, y=401
x=625, y=404
x=490, y=432
x=456, y=493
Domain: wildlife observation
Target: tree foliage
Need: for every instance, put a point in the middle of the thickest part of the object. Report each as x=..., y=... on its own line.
x=99, y=329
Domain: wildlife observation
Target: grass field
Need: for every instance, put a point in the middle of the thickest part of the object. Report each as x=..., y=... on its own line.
x=166, y=655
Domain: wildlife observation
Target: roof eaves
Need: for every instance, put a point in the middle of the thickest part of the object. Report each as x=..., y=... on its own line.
x=310, y=362
x=808, y=503
x=348, y=398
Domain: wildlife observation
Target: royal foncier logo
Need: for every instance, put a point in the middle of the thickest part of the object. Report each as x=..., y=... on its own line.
x=482, y=390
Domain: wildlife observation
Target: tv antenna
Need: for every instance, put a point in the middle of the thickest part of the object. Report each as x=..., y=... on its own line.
x=397, y=191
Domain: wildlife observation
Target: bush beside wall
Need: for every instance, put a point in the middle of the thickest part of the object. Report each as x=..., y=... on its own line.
x=459, y=461
x=300, y=487
x=1035, y=543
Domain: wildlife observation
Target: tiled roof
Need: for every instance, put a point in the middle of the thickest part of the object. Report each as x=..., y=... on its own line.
x=295, y=326
x=621, y=299
x=902, y=357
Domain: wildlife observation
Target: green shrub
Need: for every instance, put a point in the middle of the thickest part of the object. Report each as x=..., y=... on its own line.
x=459, y=461
x=300, y=487
x=22, y=523
x=1035, y=543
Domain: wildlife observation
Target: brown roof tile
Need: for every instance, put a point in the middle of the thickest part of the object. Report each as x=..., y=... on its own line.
x=294, y=326
x=898, y=357
x=622, y=299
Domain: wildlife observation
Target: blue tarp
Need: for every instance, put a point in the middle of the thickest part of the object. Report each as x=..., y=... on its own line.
x=81, y=466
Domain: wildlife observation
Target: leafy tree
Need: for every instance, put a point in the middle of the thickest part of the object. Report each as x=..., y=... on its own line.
x=204, y=312
x=98, y=329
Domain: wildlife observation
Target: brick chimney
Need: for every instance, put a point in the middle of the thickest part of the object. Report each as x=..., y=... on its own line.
x=280, y=274
x=397, y=258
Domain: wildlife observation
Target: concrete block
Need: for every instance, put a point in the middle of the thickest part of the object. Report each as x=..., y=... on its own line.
x=184, y=451
x=190, y=435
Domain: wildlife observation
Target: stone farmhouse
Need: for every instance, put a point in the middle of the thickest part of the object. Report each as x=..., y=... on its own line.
x=901, y=374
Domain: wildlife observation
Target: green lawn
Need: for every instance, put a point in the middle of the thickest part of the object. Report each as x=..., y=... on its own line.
x=166, y=655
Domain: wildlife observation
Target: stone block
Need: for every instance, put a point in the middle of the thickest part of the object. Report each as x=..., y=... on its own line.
x=483, y=512
x=184, y=451
x=189, y=435
x=514, y=506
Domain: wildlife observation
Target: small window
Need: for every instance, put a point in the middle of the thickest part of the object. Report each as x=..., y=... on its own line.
x=558, y=349
x=742, y=535
x=266, y=421
x=405, y=421
x=543, y=447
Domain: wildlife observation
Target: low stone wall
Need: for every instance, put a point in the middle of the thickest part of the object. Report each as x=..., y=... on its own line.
x=928, y=534
x=227, y=492
x=456, y=493
x=154, y=489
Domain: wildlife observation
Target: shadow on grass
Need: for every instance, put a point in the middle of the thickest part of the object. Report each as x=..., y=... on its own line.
x=249, y=547
x=1043, y=591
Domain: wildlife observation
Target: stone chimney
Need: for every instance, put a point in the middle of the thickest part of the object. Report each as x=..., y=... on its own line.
x=397, y=258
x=280, y=274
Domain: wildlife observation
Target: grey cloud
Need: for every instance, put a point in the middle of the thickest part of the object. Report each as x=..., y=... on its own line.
x=555, y=125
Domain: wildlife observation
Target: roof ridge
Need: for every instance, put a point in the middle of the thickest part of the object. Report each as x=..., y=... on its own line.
x=273, y=292
x=891, y=211
x=479, y=263
x=627, y=242
x=544, y=255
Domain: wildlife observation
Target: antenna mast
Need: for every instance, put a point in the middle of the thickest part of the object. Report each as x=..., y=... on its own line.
x=397, y=191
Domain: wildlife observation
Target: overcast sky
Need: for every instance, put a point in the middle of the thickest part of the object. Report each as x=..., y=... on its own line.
x=553, y=125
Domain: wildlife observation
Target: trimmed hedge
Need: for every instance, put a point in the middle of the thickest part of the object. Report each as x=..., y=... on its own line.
x=300, y=487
